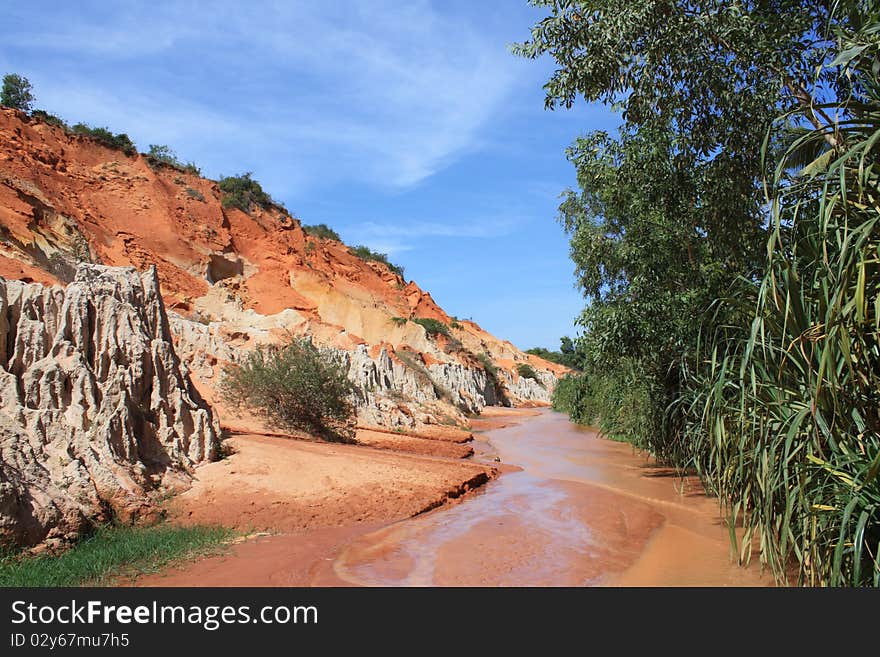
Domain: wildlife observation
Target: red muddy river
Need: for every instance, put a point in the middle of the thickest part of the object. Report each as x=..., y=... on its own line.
x=583, y=511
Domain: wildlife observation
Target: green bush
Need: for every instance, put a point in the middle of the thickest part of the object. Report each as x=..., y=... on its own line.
x=617, y=403
x=322, y=231
x=194, y=193
x=243, y=192
x=295, y=387
x=433, y=327
x=162, y=156
x=366, y=253
x=119, y=142
x=17, y=92
x=526, y=371
x=51, y=119
x=399, y=321
x=567, y=397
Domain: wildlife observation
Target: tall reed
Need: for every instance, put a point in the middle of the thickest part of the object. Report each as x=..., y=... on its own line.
x=789, y=408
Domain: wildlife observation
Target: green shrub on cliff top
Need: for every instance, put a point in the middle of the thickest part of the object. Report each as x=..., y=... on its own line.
x=243, y=192
x=322, y=231
x=160, y=155
x=432, y=327
x=119, y=142
x=51, y=119
x=366, y=253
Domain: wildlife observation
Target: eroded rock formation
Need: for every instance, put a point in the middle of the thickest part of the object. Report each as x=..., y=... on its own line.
x=96, y=414
x=238, y=279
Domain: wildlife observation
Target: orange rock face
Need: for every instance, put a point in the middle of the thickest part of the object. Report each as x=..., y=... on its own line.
x=65, y=198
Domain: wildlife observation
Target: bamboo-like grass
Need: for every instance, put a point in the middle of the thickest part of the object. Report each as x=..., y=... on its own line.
x=789, y=415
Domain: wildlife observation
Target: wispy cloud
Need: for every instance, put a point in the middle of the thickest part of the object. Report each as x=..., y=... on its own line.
x=344, y=111
x=123, y=31
x=391, y=237
x=369, y=92
x=419, y=229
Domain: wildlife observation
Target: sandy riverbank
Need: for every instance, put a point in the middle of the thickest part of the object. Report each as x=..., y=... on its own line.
x=311, y=498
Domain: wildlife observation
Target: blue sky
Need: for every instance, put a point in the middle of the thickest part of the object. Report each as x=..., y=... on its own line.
x=406, y=126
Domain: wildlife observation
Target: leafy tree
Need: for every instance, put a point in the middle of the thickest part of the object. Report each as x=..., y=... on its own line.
x=567, y=346
x=17, y=92
x=670, y=212
x=295, y=387
x=709, y=69
x=567, y=354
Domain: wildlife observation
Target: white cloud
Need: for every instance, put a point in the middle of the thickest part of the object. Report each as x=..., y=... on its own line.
x=406, y=90
x=417, y=229
x=390, y=238
x=125, y=30
x=370, y=92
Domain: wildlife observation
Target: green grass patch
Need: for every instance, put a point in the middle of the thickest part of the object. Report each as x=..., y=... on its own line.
x=112, y=551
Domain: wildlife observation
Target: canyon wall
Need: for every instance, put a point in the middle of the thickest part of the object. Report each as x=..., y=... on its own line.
x=233, y=280
x=106, y=398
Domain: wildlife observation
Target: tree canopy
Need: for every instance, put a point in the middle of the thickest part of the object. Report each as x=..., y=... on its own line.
x=17, y=93
x=725, y=241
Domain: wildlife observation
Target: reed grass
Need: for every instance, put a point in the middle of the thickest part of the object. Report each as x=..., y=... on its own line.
x=789, y=413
